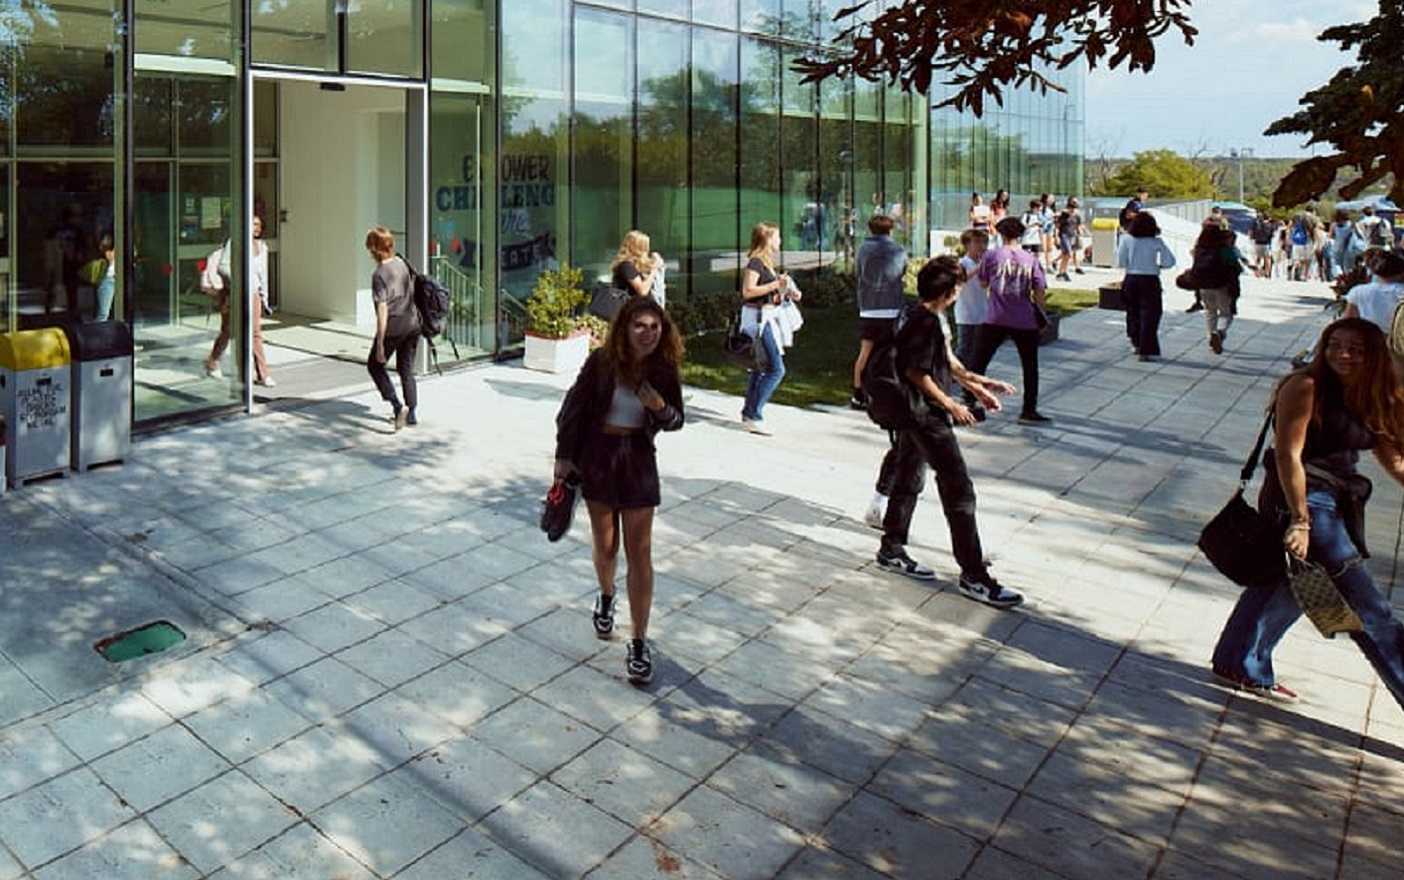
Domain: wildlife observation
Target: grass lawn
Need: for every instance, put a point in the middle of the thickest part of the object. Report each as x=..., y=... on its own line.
x=819, y=368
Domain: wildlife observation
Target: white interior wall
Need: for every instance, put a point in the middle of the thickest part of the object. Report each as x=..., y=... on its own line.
x=343, y=171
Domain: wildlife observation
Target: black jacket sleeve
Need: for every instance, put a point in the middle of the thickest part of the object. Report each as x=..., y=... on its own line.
x=579, y=409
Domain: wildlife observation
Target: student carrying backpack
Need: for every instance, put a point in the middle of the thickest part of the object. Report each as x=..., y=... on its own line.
x=1299, y=233
x=892, y=402
x=433, y=303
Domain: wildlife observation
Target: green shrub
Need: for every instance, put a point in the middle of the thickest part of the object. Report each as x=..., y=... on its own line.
x=553, y=307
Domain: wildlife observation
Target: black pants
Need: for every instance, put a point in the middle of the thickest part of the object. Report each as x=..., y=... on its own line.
x=402, y=349
x=988, y=341
x=1144, y=306
x=934, y=443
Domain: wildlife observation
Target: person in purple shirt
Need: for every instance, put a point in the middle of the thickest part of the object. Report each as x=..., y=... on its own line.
x=1017, y=288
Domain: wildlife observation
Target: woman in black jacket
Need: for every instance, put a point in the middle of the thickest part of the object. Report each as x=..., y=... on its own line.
x=626, y=393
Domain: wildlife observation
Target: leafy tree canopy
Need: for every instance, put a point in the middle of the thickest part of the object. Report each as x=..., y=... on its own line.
x=1164, y=173
x=983, y=46
x=1359, y=113
x=980, y=48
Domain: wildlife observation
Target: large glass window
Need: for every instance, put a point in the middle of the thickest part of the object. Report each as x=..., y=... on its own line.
x=532, y=233
x=760, y=127
x=604, y=135
x=716, y=226
x=663, y=196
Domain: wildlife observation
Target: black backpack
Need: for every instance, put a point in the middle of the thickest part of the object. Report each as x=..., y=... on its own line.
x=892, y=401
x=431, y=300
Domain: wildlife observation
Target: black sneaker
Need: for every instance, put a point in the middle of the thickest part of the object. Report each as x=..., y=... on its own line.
x=984, y=588
x=603, y=615
x=1034, y=418
x=412, y=419
x=638, y=662
x=859, y=400
x=901, y=563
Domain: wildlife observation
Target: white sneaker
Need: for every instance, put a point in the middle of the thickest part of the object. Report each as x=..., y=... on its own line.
x=266, y=382
x=214, y=372
x=877, y=511
x=756, y=426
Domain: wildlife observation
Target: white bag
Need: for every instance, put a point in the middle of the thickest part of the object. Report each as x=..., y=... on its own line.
x=211, y=281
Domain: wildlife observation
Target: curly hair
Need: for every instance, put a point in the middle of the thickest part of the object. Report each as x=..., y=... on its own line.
x=1375, y=398
x=617, y=355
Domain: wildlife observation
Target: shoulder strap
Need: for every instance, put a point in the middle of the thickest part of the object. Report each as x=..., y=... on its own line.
x=1251, y=464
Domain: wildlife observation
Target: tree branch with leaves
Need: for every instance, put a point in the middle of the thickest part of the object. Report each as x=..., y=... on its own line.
x=982, y=47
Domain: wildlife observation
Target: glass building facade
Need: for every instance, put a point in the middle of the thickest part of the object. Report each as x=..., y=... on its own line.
x=494, y=139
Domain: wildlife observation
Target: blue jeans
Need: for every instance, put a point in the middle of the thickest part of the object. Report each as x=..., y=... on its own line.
x=1264, y=614
x=761, y=384
x=106, y=289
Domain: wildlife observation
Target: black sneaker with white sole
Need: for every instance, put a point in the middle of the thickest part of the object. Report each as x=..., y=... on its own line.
x=984, y=588
x=603, y=615
x=898, y=561
x=638, y=662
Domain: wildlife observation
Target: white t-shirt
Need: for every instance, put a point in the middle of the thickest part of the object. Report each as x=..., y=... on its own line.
x=1376, y=301
x=974, y=299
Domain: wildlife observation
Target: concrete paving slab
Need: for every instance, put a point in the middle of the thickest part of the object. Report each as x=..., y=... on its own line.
x=389, y=673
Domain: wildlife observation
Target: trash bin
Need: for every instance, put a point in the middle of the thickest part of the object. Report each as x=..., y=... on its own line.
x=1104, y=241
x=102, y=393
x=35, y=395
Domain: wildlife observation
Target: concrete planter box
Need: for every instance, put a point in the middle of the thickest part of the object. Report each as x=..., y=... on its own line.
x=556, y=355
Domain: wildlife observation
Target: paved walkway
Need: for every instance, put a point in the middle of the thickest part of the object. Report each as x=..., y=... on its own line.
x=390, y=673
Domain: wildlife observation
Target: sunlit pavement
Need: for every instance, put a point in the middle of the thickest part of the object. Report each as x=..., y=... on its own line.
x=390, y=673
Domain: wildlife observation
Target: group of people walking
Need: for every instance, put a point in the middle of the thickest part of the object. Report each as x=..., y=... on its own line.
x=1344, y=400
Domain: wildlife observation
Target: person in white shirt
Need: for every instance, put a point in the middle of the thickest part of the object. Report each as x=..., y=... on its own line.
x=1375, y=301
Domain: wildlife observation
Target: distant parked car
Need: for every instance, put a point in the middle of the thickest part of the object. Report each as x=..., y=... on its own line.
x=1240, y=216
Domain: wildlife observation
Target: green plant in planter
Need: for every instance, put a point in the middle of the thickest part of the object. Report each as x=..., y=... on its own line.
x=553, y=307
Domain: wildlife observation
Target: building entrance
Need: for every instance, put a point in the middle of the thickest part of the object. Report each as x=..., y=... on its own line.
x=334, y=166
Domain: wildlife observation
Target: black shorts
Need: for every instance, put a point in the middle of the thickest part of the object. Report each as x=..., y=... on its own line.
x=619, y=470
x=874, y=329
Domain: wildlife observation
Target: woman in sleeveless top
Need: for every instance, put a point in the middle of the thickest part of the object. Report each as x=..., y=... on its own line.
x=1345, y=400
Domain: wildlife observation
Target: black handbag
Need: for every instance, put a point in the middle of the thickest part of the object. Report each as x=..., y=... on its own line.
x=741, y=349
x=1242, y=543
x=1187, y=280
x=558, y=508
x=606, y=300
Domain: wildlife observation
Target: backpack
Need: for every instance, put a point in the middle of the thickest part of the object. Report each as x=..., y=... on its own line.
x=432, y=301
x=1395, y=337
x=1210, y=269
x=1379, y=236
x=892, y=401
x=1262, y=231
x=1299, y=234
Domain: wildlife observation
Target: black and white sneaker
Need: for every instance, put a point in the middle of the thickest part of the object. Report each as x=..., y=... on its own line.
x=603, y=616
x=638, y=662
x=984, y=588
x=899, y=562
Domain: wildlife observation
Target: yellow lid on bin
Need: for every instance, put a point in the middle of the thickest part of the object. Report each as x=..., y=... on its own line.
x=1104, y=223
x=34, y=349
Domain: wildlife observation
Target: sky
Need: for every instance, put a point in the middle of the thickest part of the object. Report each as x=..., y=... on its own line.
x=1250, y=63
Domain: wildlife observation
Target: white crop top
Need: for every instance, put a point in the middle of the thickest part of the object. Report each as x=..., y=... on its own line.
x=625, y=409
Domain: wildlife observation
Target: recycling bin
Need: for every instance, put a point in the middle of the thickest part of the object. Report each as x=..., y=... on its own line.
x=35, y=397
x=102, y=393
x=1104, y=241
